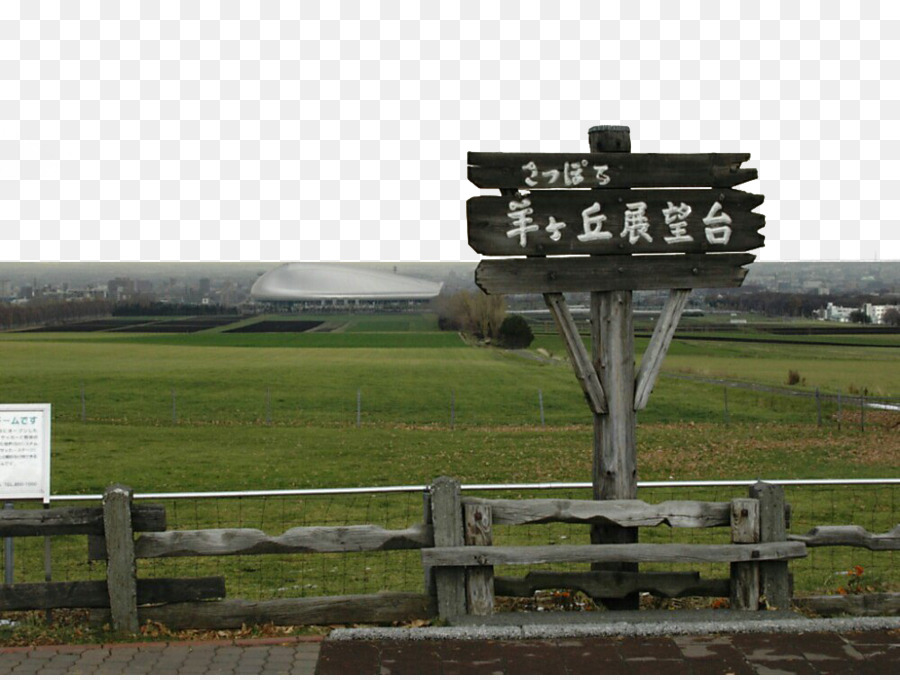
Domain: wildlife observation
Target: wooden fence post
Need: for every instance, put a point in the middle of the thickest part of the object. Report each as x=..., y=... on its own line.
x=840, y=412
x=121, y=576
x=446, y=512
x=479, y=580
x=774, y=578
x=428, y=520
x=9, y=562
x=745, y=575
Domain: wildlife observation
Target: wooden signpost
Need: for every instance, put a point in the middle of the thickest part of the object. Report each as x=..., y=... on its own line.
x=610, y=222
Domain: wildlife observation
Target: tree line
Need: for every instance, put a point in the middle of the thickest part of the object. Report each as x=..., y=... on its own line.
x=44, y=312
x=156, y=308
x=39, y=312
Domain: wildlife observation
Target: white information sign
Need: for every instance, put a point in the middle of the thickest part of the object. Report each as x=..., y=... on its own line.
x=25, y=452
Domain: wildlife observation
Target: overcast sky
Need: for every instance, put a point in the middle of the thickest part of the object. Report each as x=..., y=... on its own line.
x=338, y=130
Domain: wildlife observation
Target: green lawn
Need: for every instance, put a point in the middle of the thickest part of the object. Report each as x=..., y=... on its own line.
x=215, y=411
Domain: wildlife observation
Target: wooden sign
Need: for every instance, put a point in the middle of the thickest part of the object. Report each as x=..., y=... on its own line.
x=607, y=170
x=615, y=222
x=610, y=222
x=596, y=274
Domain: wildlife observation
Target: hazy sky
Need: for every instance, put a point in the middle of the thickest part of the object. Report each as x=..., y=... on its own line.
x=338, y=130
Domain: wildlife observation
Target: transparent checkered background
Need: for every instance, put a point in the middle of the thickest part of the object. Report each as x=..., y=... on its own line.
x=338, y=130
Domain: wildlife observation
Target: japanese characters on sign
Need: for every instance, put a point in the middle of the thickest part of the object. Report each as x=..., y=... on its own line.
x=571, y=174
x=636, y=223
x=25, y=451
x=615, y=221
x=494, y=170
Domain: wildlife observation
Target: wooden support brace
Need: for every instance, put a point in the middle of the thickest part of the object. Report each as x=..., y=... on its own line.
x=651, y=363
x=581, y=361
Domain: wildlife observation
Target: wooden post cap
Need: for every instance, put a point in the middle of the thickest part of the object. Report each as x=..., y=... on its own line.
x=609, y=138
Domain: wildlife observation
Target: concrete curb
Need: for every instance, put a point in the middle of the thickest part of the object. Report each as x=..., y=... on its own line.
x=620, y=629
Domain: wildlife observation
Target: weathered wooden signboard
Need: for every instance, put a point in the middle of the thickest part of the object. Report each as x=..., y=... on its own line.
x=567, y=204
x=610, y=222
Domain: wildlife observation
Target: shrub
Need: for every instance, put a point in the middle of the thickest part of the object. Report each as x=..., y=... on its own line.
x=515, y=332
x=793, y=377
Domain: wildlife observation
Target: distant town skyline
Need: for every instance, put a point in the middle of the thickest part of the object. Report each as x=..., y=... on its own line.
x=816, y=277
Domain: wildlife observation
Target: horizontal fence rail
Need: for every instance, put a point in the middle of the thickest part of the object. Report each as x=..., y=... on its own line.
x=421, y=488
x=474, y=556
x=626, y=513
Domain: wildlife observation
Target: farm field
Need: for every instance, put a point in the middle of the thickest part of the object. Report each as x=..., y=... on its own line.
x=395, y=385
x=218, y=411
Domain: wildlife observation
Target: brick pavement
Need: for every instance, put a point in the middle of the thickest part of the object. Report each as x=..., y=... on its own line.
x=272, y=656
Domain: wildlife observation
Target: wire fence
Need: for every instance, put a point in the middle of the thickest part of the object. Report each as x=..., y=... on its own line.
x=873, y=504
x=555, y=403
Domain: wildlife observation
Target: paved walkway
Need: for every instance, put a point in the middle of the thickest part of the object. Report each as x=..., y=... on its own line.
x=848, y=653
x=273, y=656
x=872, y=652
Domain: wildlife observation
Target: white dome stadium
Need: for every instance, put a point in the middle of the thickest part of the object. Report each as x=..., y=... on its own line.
x=302, y=282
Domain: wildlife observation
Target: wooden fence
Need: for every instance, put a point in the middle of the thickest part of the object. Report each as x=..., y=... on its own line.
x=464, y=558
x=458, y=556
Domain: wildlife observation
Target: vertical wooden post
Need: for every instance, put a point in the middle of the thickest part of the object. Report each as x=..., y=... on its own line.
x=9, y=560
x=774, y=578
x=428, y=519
x=446, y=512
x=479, y=580
x=121, y=578
x=48, y=569
x=612, y=350
x=745, y=575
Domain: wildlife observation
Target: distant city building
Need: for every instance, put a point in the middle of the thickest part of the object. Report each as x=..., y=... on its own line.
x=314, y=285
x=120, y=289
x=833, y=312
x=876, y=312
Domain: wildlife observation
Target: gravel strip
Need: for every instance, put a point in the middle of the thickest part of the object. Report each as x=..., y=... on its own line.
x=621, y=628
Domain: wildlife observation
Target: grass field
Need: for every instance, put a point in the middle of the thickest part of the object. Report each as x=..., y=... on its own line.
x=216, y=411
